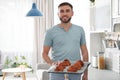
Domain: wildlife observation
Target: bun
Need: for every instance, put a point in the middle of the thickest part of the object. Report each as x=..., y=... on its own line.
x=59, y=68
x=72, y=69
x=66, y=62
x=63, y=65
x=76, y=66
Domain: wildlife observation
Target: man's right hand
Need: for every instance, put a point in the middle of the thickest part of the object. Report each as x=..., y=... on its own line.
x=56, y=63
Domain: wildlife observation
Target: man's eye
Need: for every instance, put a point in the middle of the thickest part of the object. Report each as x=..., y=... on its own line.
x=67, y=10
x=61, y=11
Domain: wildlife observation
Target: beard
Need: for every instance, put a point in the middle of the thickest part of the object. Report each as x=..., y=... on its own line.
x=65, y=21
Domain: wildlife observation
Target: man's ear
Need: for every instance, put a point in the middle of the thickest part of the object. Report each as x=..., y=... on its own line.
x=72, y=13
x=58, y=13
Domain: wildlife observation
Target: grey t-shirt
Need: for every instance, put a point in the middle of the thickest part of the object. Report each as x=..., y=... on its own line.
x=65, y=44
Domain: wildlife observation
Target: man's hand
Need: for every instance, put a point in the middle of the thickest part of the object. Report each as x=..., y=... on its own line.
x=56, y=63
x=85, y=75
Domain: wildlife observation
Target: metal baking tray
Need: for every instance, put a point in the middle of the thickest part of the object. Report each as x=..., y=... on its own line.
x=52, y=69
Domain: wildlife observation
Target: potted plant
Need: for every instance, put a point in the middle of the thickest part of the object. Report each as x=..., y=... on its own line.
x=17, y=61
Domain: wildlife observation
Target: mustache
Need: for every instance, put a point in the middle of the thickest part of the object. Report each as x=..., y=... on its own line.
x=65, y=16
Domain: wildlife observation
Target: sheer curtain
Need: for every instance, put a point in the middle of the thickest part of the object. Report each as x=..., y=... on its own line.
x=21, y=35
x=16, y=30
x=42, y=24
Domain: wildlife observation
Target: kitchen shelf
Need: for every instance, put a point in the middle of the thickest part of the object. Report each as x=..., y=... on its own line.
x=97, y=32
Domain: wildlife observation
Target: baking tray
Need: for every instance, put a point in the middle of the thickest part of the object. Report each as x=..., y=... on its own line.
x=52, y=68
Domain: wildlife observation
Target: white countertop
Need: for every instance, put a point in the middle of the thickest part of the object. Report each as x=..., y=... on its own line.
x=97, y=74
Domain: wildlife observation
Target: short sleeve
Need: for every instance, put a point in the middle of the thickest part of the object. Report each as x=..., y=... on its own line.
x=48, y=39
x=82, y=39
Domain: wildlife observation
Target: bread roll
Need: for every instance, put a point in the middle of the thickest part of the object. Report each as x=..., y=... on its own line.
x=76, y=66
x=63, y=65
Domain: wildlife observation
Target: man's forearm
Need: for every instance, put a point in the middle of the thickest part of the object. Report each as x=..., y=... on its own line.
x=47, y=58
x=85, y=57
x=84, y=53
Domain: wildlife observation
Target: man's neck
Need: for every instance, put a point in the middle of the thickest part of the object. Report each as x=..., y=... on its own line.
x=66, y=26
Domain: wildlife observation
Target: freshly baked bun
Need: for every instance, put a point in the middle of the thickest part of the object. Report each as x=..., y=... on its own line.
x=72, y=69
x=81, y=62
x=63, y=65
x=66, y=62
x=76, y=66
x=59, y=68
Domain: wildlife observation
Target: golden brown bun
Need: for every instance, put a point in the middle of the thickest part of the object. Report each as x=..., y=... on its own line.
x=81, y=62
x=72, y=69
x=76, y=66
x=63, y=65
x=59, y=68
x=66, y=62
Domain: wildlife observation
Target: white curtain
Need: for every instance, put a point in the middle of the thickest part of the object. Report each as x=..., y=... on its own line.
x=21, y=35
x=42, y=24
x=16, y=30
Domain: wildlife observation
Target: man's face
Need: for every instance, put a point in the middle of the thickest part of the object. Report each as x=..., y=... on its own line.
x=65, y=13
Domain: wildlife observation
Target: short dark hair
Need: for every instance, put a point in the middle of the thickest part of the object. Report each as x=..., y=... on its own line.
x=65, y=3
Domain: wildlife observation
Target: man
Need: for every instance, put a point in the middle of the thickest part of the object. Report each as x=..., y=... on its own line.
x=67, y=40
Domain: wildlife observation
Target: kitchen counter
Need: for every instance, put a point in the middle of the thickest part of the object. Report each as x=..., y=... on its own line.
x=97, y=74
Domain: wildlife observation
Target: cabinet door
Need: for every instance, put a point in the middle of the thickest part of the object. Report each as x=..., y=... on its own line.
x=115, y=8
x=103, y=15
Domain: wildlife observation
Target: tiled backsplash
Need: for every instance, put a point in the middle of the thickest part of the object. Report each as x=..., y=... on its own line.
x=112, y=59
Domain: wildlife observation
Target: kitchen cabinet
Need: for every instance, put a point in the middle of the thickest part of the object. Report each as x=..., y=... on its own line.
x=115, y=8
x=100, y=13
x=98, y=74
x=115, y=14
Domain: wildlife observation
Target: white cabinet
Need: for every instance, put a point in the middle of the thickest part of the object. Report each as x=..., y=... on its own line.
x=101, y=16
x=115, y=8
x=115, y=15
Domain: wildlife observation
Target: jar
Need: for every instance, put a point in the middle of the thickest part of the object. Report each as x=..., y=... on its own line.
x=101, y=60
x=94, y=61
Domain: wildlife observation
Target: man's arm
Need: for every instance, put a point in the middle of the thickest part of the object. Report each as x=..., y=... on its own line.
x=85, y=58
x=46, y=50
x=84, y=53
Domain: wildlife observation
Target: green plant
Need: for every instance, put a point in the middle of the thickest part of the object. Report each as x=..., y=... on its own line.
x=16, y=62
x=7, y=63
